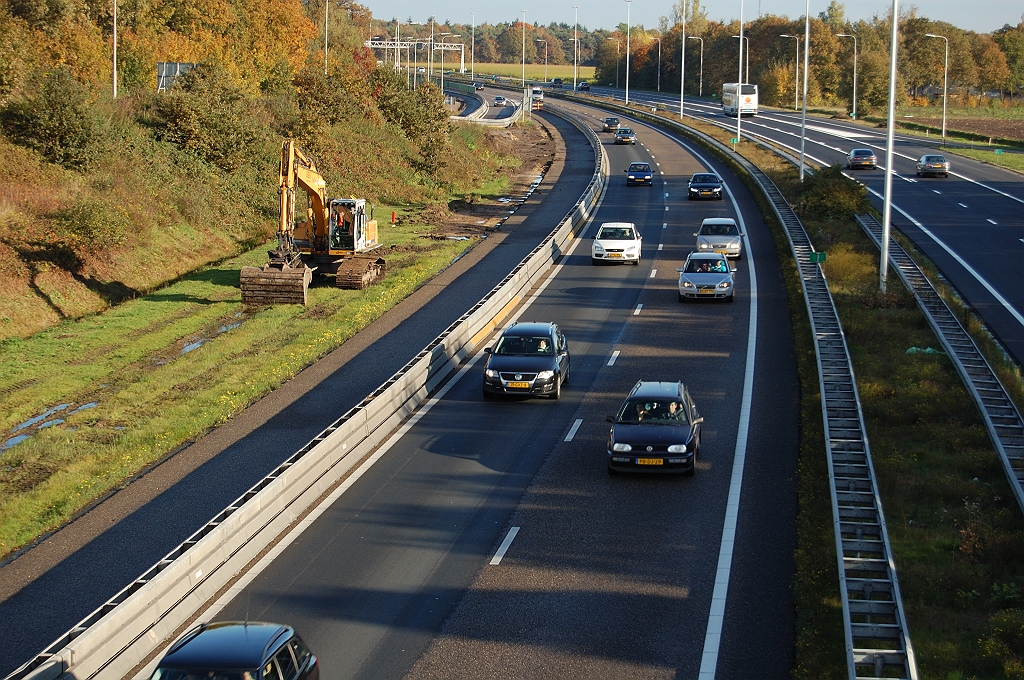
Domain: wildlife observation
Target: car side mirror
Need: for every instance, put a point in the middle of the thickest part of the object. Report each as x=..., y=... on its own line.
x=696, y=234
x=698, y=420
x=610, y=419
x=732, y=269
x=487, y=350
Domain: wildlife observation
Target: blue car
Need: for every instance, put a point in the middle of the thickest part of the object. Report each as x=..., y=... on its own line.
x=639, y=173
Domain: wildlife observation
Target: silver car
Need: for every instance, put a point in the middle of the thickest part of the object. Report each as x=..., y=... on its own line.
x=720, y=235
x=706, y=275
x=931, y=164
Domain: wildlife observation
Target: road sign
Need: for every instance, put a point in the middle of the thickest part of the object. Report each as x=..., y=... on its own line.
x=817, y=257
x=733, y=140
x=998, y=151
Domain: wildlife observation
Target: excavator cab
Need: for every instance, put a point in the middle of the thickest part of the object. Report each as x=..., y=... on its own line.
x=351, y=230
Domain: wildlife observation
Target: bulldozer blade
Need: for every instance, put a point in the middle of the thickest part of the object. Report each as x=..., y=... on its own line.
x=270, y=286
x=360, y=272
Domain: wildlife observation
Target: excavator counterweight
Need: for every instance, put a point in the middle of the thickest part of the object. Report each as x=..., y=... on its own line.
x=338, y=238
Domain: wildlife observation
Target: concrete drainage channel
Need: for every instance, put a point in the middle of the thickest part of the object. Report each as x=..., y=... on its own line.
x=130, y=629
x=877, y=640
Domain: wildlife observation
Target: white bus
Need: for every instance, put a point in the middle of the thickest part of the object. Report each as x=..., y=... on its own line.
x=739, y=99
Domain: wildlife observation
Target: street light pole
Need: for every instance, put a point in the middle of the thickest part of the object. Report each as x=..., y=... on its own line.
x=747, y=44
x=883, y=265
x=739, y=77
x=327, y=6
x=700, y=91
x=442, y=60
x=115, y=50
x=659, y=64
x=796, y=78
x=945, y=84
x=545, y=57
x=575, y=45
x=847, y=35
x=682, y=65
x=629, y=4
x=616, y=61
x=807, y=66
x=472, y=50
x=524, y=47
x=430, y=55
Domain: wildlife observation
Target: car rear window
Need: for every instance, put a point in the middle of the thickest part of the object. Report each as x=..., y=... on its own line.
x=719, y=230
x=705, y=266
x=524, y=344
x=863, y=152
x=616, y=233
x=934, y=159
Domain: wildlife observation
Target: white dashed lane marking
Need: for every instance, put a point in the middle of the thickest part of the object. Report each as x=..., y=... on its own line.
x=654, y=272
x=613, y=357
x=992, y=221
x=503, y=548
x=661, y=246
x=961, y=205
x=573, y=429
x=638, y=308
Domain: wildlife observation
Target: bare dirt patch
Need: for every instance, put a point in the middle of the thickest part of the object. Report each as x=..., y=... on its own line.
x=997, y=128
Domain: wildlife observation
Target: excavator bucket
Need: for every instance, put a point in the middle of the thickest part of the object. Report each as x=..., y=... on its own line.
x=360, y=271
x=269, y=285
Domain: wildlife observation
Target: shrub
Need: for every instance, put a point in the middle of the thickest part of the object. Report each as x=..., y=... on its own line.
x=93, y=225
x=208, y=115
x=1005, y=641
x=830, y=196
x=55, y=122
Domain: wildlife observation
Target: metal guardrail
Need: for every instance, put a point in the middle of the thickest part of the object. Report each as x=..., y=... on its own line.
x=128, y=630
x=1002, y=418
x=877, y=638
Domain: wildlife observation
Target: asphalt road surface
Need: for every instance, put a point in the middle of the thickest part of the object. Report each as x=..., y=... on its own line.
x=608, y=576
x=970, y=224
x=54, y=585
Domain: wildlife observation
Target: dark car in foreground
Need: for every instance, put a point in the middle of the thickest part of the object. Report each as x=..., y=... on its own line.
x=639, y=173
x=657, y=429
x=611, y=124
x=704, y=185
x=932, y=164
x=861, y=158
x=234, y=650
x=529, y=359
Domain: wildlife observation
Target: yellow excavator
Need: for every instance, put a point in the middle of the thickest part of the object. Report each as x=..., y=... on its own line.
x=338, y=238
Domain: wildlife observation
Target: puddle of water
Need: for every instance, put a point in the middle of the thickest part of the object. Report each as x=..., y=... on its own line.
x=91, y=404
x=50, y=423
x=13, y=441
x=227, y=327
x=193, y=345
x=46, y=414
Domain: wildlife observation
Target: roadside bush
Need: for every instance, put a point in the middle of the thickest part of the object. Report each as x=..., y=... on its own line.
x=55, y=122
x=829, y=196
x=92, y=226
x=208, y=115
x=1005, y=641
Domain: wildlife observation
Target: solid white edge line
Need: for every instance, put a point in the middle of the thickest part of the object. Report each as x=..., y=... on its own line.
x=503, y=548
x=963, y=263
x=573, y=429
x=613, y=357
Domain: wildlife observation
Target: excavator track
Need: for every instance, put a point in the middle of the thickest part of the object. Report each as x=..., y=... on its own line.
x=360, y=272
x=268, y=285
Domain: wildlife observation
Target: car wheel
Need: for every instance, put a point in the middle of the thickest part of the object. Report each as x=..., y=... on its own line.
x=565, y=378
x=730, y=298
x=682, y=298
x=612, y=471
x=558, y=390
x=693, y=468
x=594, y=261
x=487, y=395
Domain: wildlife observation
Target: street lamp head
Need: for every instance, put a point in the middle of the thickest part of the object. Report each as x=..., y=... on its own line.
x=845, y=35
x=785, y=35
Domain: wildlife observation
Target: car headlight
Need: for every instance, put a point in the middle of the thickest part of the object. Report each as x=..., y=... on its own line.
x=622, y=448
x=598, y=248
x=630, y=249
x=677, y=448
x=693, y=190
x=724, y=284
x=545, y=375
x=491, y=373
x=686, y=284
x=705, y=246
x=631, y=177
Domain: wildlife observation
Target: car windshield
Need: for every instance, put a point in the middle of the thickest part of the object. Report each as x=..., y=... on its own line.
x=652, y=412
x=202, y=674
x=718, y=230
x=704, y=179
x=616, y=233
x=639, y=167
x=702, y=266
x=523, y=344
x=625, y=131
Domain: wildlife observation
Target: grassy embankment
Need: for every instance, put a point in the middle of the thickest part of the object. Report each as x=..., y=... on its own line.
x=956, y=532
x=535, y=71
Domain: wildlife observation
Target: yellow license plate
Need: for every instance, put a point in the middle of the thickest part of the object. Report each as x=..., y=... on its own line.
x=519, y=385
x=650, y=461
x=722, y=252
x=614, y=254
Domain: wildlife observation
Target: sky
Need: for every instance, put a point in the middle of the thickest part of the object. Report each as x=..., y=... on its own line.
x=984, y=17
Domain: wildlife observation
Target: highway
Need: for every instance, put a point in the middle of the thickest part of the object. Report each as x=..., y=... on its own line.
x=607, y=575
x=970, y=224
x=53, y=585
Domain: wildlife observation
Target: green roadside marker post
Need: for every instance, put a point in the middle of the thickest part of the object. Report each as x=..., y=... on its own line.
x=733, y=141
x=999, y=151
x=817, y=257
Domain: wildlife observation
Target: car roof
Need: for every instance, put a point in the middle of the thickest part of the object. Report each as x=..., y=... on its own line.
x=226, y=644
x=932, y=156
x=861, y=152
x=611, y=118
x=625, y=130
x=705, y=256
x=640, y=163
x=657, y=389
x=529, y=328
x=704, y=175
x=718, y=220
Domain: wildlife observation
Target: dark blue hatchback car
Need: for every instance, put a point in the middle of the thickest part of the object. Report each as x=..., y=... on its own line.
x=657, y=429
x=233, y=650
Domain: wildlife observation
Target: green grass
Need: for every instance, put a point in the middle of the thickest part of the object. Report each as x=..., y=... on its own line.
x=536, y=71
x=151, y=397
x=1008, y=160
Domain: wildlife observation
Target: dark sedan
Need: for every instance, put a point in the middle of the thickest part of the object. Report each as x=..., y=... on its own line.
x=704, y=185
x=610, y=124
x=657, y=429
x=238, y=651
x=530, y=359
x=861, y=158
x=639, y=173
